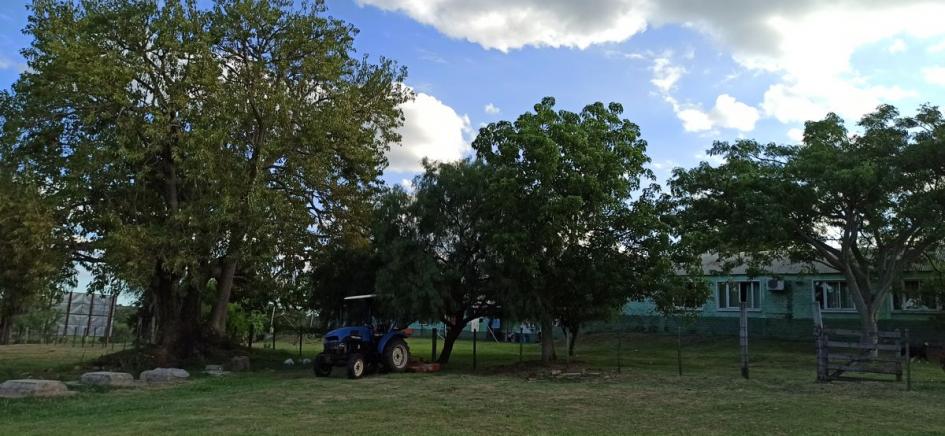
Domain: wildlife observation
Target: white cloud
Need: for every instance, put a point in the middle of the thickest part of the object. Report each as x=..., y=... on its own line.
x=492, y=109
x=665, y=74
x=728, y=113
x=7, y=63
x=714, y=160
x=432, y=130
x=506, y=25
x=936, y=48
x=795, y=134
x=934, y=75
x=897, y=46
x=808, y=44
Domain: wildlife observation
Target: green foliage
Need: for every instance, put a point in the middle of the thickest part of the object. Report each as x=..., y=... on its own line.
x=34, y=248
x=575, y=229
x=867, y=204
x=341, y=270
x=437, y=263
x=201, y=144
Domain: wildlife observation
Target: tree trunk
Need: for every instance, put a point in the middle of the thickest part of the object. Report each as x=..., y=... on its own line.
x=178, y=316
x=572, y=338
x=452, y=334
x=547, y=339
x=870, y=327
x=220, y=308
x=6, y=328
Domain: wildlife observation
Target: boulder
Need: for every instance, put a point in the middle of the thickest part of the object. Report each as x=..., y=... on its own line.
x=164, y=375
x=106, y=378
x=33, y=388
x=239, y=363
x=215, y=370
x=289, y=362
x=306, y=361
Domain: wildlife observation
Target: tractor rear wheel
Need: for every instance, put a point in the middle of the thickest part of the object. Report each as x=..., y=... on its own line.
x=322, y=366
x=396, y=355
x=356, y=366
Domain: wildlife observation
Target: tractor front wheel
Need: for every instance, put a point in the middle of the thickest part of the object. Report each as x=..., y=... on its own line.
x=396, y=355
x=322, y=366
x=356, y=366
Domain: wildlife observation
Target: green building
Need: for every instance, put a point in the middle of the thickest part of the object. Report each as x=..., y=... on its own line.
x=782, y=303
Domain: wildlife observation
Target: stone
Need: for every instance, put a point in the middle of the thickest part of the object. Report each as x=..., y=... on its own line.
x=107, y=378
x=239, y=363
x=164, y=375
x=289, y=362
x=33, y=388
x=306, y=361
x=213, y=368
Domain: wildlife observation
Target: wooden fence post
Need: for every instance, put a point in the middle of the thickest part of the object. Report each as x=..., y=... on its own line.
x=743, y=337
x=908, y=363
x=475, y=335
x=874, y=341
x=521, y=342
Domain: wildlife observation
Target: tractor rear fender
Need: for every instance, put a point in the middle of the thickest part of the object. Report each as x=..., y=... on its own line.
x=387, y=338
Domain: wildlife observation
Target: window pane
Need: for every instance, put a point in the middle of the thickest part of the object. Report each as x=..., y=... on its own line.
x=723, y=303
x=756, y=295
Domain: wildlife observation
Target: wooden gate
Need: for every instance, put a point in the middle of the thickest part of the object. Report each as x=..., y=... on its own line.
x=842, y=351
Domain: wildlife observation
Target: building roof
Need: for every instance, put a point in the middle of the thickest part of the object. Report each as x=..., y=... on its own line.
x=711, y=265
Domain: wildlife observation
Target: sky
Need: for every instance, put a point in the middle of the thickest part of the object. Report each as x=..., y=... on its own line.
x=688, y=72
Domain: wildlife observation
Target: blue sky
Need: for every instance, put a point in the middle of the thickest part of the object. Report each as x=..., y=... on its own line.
x=688, y=72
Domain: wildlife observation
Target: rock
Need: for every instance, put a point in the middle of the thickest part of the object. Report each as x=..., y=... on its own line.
x=213, y=368
x=239, y=363
x=555, y=372
x=289, y=362
x=164, y=375
x=107, y=378
x=306, y=361
x=33, y=388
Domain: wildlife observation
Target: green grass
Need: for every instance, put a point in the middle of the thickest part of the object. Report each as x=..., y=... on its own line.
x=501, y=396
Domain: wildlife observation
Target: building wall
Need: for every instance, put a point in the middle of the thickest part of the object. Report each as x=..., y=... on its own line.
x=783, y=314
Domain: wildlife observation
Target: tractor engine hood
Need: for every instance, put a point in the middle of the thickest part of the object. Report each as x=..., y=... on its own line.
x=342, y=333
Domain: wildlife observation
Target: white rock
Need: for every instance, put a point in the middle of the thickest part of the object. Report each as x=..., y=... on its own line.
x=107, y=378
x=306, y=361
x=214, y=368
x=33, y=388
x=289, y=362
x=164, y=375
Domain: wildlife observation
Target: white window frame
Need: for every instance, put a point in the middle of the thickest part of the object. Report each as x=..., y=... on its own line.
x=823, y=306
x=940, y=302
x=718, y=301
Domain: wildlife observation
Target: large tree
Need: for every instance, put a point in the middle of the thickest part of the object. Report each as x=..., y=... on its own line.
x=563, y=187
x=195, y=143
x=436, y=259
x=869, y=203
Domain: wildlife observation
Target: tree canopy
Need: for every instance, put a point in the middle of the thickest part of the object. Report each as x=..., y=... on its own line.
x=434, y=248
x=571, y=187
x=194, y=143
x=867, y=203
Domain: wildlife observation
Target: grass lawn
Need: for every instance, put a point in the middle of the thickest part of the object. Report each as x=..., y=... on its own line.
x=501, y=396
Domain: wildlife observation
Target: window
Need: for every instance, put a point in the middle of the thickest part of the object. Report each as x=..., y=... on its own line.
x=833, y=295
x=912, y=297
x=730, y=294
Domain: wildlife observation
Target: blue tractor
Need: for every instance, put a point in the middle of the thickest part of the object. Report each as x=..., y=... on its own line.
x=363, y=343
